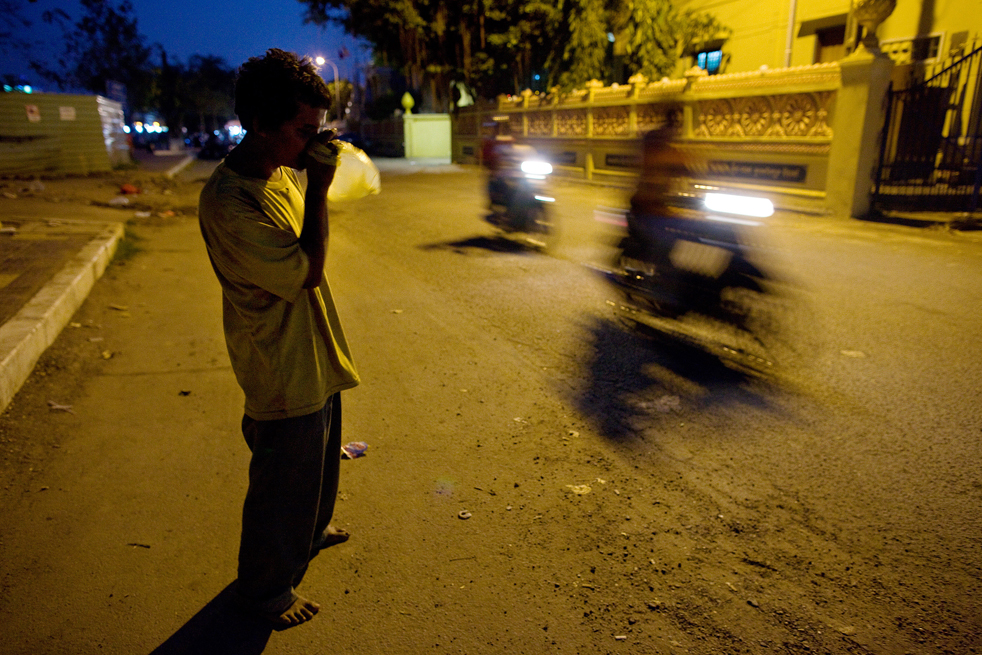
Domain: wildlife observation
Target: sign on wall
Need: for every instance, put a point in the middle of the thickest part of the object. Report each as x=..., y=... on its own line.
x=759, y=171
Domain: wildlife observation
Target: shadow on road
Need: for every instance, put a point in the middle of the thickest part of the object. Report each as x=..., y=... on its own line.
x=632, y=373
x=219, y=628
x=499, y=244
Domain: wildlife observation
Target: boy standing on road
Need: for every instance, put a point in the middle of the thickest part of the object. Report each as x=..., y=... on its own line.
x=267, y=241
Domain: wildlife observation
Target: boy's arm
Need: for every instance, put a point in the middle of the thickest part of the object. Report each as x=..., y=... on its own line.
x=314, y=234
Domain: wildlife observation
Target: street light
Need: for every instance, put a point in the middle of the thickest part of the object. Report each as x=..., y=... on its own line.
x=337, y=87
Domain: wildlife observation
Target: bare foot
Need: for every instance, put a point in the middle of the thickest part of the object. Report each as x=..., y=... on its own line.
x=333, y=536
x=301, y=611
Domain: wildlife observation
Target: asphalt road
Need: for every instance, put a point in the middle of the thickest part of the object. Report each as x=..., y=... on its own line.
x=623, y=496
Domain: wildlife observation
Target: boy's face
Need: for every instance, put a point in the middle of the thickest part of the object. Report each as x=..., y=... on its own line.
x=288, y=142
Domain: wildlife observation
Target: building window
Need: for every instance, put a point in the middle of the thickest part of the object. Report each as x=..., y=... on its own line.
x=709, y=60
x=830, y=43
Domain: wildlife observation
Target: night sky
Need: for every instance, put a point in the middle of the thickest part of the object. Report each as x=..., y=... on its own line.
x=234, y=31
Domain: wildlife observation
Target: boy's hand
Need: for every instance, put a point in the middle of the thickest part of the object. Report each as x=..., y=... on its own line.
x=322, y=156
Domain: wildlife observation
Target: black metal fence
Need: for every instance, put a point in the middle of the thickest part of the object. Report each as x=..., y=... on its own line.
x=932, y=142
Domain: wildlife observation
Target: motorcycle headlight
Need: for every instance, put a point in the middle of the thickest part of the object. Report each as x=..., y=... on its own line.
x=538, y=168
x=741, y=205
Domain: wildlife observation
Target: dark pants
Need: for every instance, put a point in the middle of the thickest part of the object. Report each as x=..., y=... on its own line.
x=293, y=483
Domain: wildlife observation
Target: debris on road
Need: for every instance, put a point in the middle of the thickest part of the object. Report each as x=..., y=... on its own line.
x=579, y=489
x=353, y=449
x=58, y=407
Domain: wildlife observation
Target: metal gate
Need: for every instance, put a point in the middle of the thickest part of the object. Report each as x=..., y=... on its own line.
x=932, y=142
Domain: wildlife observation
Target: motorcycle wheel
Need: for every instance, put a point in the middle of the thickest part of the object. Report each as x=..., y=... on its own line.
x=542, y=228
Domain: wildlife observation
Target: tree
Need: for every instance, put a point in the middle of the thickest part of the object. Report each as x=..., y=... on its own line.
x=103, y=45
x=488, y=44
x=206, y=90
x=12, y=25
x=345, y=91
x=504, y=46
x=657, y=34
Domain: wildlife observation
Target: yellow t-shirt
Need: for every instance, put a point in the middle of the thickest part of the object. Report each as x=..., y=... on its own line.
x=285, y=342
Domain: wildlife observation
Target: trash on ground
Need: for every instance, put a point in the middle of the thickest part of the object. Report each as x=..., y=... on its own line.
x=9, y=195
x=119, y=201
x=854, y=353
x=129, y=189
x=142, y=214
x=58, y=407
x=107, y=354
x=354, y=449
x=464, y=515
x=119, y=308
x=579, y=489
x=183, y=393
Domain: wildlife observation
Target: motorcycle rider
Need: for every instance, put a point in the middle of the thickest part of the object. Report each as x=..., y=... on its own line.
x=503, y=158
x=662, y=166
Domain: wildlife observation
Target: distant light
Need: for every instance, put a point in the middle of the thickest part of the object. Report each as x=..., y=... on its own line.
x=7, y=88
x=532, y=167
x=320, y=61
x=537, y=77
x=610, y=36
x=126, y=128
x=741, y=205
x=545, y=199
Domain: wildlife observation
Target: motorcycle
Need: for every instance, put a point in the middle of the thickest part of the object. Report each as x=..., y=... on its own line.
x=518, y=198
x=690, y=273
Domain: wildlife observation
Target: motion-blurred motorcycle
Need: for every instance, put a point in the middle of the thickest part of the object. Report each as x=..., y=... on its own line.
x=694, y=272
x=518, y=197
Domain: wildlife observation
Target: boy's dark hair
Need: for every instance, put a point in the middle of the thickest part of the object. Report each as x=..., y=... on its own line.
x=270, y=88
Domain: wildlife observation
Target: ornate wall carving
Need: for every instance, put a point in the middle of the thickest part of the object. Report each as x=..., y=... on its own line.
x=540, y=123
x=571, y=122
x=793, y=115
x=611, y=121
x=650, y=117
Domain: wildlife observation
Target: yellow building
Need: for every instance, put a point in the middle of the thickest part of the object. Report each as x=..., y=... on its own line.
x=782, y=33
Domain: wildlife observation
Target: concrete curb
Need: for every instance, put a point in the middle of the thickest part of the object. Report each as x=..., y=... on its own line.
x=25, y=337
x=177, y=168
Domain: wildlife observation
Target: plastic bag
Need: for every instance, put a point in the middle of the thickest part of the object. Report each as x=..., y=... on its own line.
x=356, y=176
